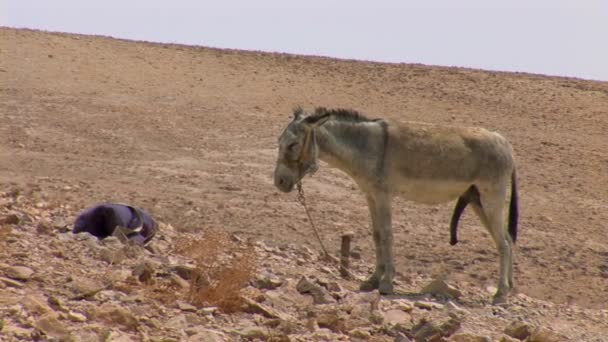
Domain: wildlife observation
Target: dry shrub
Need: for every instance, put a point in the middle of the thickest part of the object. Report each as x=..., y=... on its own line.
x=223, y=269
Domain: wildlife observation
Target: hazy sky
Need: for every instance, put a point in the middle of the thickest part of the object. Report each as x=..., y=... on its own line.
x=555, y=37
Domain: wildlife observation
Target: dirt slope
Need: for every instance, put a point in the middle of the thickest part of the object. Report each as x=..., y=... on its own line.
x=190, y=134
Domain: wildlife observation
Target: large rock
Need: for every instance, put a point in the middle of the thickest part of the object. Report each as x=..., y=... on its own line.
x=395, y=316
x=519, y=330
x=116, y=315
x=541, y=334
x=319, y=294
x=36, y=305
x=52, y=327
x=441, y=288
x=19, y=272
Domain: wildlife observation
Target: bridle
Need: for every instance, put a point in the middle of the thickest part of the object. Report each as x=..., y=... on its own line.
x=308, y=167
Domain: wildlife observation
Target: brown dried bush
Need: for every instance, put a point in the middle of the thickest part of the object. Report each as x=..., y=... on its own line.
x=223, y=269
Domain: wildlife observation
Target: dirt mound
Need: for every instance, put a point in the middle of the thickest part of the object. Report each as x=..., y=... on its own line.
x=189, y=134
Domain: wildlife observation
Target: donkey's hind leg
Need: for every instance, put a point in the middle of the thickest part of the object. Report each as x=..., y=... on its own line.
x=492, y=209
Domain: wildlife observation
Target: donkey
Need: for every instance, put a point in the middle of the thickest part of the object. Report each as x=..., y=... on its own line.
x=424, y=163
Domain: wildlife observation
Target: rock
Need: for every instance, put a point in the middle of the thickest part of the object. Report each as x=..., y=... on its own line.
x=541, y=334
x=19, y=273
x=208, y=310
x=266, y=311
x=143, y=272
x=254, y=332
x=427, y=305
x=77, y=317
x=51, y=326
x=441, y=288
x=207, y=335
x=400, y=337
x=505, y=338
x=361, y=333
x=179, y=281
x=453, y=307
x=35, y=305
x=186, y=306
x=184, y=271
x=426, y=330
x=395, y=316
x=112, y=256
x=519, y=330
x=85, y=288
x=319, y=294
x=332, y=319
x=11, y=282
x=116, y=315
x=468, y=337
x=266, y=282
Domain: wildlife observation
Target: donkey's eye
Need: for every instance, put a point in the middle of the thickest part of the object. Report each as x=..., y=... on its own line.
x=292, y=147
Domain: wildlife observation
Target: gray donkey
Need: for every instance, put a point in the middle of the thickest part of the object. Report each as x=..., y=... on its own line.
x=421, y=162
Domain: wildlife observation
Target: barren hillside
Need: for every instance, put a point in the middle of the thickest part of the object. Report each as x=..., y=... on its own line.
x=189, y=133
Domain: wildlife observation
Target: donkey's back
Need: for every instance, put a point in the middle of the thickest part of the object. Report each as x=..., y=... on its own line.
x=435, y=163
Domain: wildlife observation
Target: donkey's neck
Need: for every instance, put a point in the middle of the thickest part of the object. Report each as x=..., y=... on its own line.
x=354, y=148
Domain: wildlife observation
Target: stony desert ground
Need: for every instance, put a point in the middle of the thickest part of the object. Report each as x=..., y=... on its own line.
x=190, y=134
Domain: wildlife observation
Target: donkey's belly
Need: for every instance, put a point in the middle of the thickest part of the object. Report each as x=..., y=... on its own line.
x=430, y=191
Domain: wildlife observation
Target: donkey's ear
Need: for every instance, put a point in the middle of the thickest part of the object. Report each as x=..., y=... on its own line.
x=297, y=112
x=317, y=120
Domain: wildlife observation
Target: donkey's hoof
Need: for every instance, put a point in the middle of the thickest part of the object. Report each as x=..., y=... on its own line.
x=499, y=299
x=386, y=288
x=369, y=285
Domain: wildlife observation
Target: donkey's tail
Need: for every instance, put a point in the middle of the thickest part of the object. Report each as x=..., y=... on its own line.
x=513, y=208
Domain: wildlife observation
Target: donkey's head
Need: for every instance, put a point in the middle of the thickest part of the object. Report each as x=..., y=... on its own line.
x=298, y=149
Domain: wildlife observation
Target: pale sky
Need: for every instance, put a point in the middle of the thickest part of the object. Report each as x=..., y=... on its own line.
x=554, y=37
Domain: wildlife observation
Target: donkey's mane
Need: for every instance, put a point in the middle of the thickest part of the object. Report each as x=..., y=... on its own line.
x=342, y=114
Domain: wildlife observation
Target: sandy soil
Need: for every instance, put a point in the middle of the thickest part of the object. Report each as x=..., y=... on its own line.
x=190, y=134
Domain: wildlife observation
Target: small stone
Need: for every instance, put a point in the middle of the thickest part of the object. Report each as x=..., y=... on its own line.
x=179, y=281
x=84, y=288
x=11, y=282
x=266, y=282
x=319, y=294
x=468, y=337
x=210, y=310
x=541, y=334
x=519, y=330
x=112, y=256
x=184, y=271
x=441, y=288
x=186, y=306
x=19, y=273
x=361, y=333
x=77, y=317
x=401, y=338
x=143, y=272
x=453, y=307
x=427, y=305
x=254, y=333
x=266, y=311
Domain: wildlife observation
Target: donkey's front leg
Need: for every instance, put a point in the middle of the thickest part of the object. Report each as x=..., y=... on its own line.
x=382, y=278
x=373, y=282
x=386, y=244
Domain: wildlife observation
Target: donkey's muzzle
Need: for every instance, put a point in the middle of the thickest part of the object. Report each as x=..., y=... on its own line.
x=283, y=183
